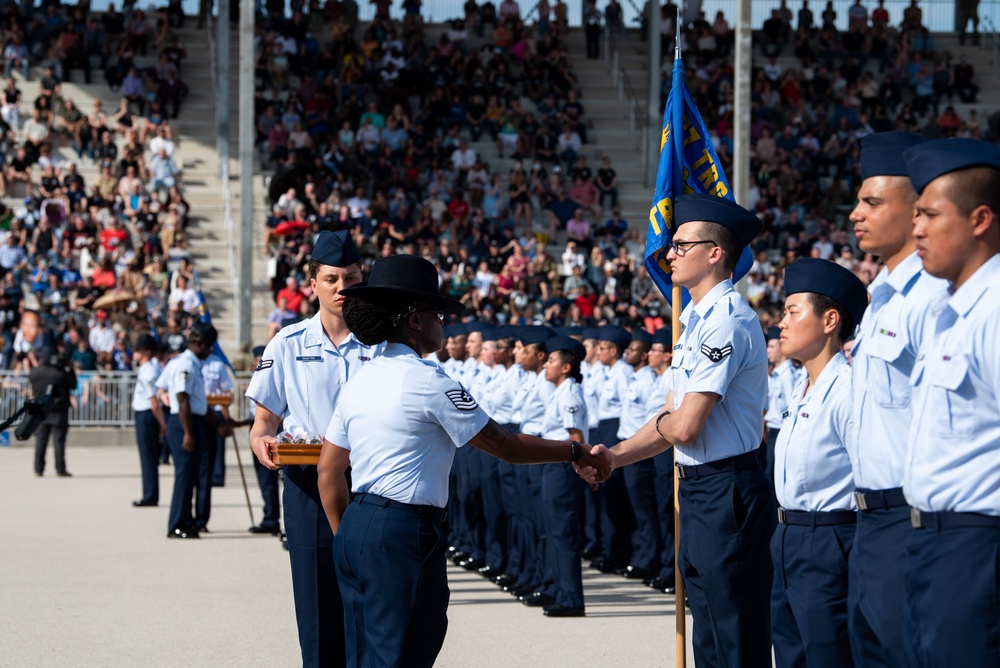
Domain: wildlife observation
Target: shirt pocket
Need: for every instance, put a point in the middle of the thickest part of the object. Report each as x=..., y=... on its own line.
x=951, y=397
x=889, y=386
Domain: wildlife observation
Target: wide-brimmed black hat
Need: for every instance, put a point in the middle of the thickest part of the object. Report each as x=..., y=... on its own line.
x=404, y=278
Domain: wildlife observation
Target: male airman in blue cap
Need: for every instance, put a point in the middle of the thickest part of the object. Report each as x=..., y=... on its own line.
x=904, y=304
x=660, y=354
x=780, y=382
x=951, y=477
x=297, y=384
x=714, y=417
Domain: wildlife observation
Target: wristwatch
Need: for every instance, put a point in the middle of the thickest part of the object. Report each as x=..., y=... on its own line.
x=575, y=451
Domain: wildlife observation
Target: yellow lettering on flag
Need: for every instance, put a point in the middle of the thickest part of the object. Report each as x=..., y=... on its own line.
x=666, y=213
x=690, y=132
x=665, y=136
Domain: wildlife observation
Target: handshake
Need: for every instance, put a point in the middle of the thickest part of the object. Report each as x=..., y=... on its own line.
x=595, y=465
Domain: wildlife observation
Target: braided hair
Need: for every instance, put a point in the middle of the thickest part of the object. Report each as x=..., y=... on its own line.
x=569, y=357
x=374, y=320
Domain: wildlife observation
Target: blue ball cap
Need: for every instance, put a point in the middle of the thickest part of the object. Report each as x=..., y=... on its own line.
x=773, y=333
x=929, y=160
x=566, y=343
x=335, y=249
x=534, y=334
x=616, y=335
x=664, y=336
x=641, y=335
x=829, y=279
x=882, y=153
x=697, y=206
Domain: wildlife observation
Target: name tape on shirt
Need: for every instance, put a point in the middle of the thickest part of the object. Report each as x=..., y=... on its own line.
x=309, y=358
x=462, y=399
x=716, y=354
x=264, y=364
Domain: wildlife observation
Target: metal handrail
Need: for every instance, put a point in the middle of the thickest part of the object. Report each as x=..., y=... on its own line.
x=625, y=90
x=991, y=34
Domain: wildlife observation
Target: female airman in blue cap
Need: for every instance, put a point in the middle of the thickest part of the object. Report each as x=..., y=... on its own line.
x=812, y=469
x=398, y=427
x=297, y=384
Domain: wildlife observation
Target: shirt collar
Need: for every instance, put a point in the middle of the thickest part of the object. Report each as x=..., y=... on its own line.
x=827, y=377
x=315, y=336
x=905, y=275
x=399, y=350
x=968, y=295
x=703, y=307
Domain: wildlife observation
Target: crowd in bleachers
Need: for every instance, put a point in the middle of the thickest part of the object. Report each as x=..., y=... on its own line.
x=88, y=262
x=368, y=127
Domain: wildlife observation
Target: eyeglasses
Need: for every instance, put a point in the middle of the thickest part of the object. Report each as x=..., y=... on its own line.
x=439, y=312
x=680, y=248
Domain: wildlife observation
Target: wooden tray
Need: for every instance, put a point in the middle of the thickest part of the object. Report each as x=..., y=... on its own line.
x=306, y=454
x=220, y=399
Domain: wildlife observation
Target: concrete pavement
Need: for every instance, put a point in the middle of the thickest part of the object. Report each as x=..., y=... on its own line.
x=88, y=580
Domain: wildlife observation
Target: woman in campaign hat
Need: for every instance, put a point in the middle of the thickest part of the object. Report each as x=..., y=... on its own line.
x=813, y=480
x=398, y=427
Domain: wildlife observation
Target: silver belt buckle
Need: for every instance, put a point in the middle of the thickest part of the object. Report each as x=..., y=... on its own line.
x=781, y=515
x=915, y=520
x=859, y=498
x=681, y=475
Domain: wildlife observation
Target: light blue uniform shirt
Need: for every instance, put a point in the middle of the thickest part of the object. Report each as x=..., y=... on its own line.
x=301, y=375
x=508, y=385
x=565, y=410
x=780, y=385
x=451, y=367
x=901, y=316
x=183, y=374
x=609, y=404
x=402, y=418
x=214, y=371
x=812, y=464
x=634, y=390
x=145, y=385
x=953, y=462
x=537, y=393
x=593, y=384
x=722, y=351
x=657, y=398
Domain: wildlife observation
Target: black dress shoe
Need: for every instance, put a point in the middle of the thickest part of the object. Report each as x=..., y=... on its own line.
x=611, y=568
x=537, y=600
x=183, y=533
x=143, y=503
x=635, y=573
x=666, y=585
x=589, y=554
x=556, y=610
x=488, y=572
x=284, y=541
x=64, y=474
x=518, y=590
x=472, y=564
x=597, y=563
x=504, y=579
x=264, y=528
x=201, y=528
x=457, y=557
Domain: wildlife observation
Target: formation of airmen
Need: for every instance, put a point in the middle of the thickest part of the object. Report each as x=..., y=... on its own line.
x=834, y=510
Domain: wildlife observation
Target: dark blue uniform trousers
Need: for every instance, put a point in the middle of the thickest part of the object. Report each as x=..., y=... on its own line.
x=663, y=464
x=809, y=597
x=562, y=503
x=726, y=522
x=219, y=461
x=203, y=483
x=532, y=481
x=268, y=481
x=319, y=611
x=392, y=571
x=514, y=522
x=952, y=596
x=615, y=509
x=765, y=453
x=641, y=488
x=875, y=588
x=147, y=438
x=186, y=466
x=493, y=512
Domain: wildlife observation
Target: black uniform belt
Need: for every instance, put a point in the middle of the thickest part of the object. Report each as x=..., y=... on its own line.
x=746, y=460
x=805, y=518
x=951, y=520
x=879, y=499
x=433, y=512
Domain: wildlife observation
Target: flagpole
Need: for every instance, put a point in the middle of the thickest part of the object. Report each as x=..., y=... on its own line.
x=680, y=616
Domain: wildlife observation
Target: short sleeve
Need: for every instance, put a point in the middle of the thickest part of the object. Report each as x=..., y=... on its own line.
x=266, y=386
x=452, y=406
x=715, y=358
x=335, y=431
x=180, y=379
x=573, y=411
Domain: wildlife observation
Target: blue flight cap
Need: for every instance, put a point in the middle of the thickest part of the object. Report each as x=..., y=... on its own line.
x=641, y=335
x=489, y=333
x=474, y=326
x=829, y=279
x=566, y=343
x=448, y=331
x=774, y=333
x=258, y=351
x=616, y=335
x=664, y=336
x=569, y=331
x=697, y=206
x=504, y=332
x=929, y=160
x=534, y=334
x=589, y=333
x=335, y=249
x=882, y=153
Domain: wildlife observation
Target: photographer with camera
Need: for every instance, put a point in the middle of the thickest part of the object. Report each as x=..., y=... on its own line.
x=56, y=378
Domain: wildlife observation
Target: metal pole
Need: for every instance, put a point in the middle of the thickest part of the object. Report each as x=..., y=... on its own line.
x=246, y=492
x=655, y=112
x=741, y=111
x=245, y=287
x=222, y=101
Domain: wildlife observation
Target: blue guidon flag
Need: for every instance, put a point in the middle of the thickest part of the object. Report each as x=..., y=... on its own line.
x=688, y=164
